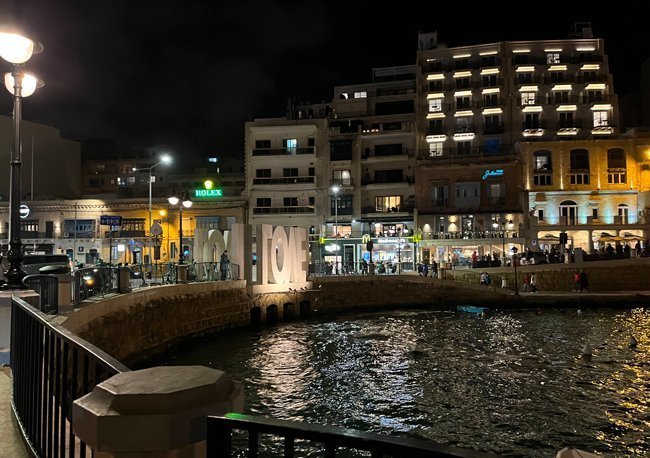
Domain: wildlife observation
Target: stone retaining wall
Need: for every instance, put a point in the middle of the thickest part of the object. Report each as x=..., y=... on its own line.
x=135, y=326
x=620, y=275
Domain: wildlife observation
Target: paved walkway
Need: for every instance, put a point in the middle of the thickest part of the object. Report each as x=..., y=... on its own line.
x=11, y=444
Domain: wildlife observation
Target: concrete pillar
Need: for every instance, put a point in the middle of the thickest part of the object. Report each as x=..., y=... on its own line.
x=155, y=413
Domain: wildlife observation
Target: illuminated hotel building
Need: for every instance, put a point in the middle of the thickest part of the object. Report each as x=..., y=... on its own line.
x=475, y=103
x=597, y=191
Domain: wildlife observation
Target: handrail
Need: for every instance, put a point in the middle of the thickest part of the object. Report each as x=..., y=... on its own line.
x=51, y=367
x=220, y=428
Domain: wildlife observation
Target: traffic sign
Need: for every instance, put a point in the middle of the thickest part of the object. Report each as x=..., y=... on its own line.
x=110, y=220
x=156, y=229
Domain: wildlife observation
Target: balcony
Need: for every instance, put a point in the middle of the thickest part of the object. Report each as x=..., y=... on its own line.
x=283, y=210
x=586, y=58
x=388, y=181
x=593, y=78
x=404, y=209
x=493, y=128
x=532, y=125
x=569, y=124
x=284, y=180
x=463, y=128
x=128, y=233
x=284, y=151
x=370, y=154
x=386, y=127
x=474, y=152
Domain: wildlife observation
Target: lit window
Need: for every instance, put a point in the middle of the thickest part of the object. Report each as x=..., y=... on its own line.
x=553, y=58
x=528, y=98
x=360, y=95
x=601, y=119
x=436, y=149
x=435, y=105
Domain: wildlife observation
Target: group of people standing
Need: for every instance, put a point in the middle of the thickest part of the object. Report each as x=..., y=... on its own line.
x=425, y=267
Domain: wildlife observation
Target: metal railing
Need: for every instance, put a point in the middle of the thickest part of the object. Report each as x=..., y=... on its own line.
x=51, y=367
x=47, y=287
x=325, y=438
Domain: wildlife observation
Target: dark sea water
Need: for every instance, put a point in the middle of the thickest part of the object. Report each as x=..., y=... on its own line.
x=512, y=383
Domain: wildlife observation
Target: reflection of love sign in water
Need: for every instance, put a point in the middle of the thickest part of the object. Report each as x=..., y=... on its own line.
x=281, y=252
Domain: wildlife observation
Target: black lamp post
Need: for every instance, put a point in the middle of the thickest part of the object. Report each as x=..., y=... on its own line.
x=183, y=202
x=17, y=49
x=514, y=263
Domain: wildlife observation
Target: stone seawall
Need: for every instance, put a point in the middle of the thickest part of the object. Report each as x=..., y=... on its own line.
x=135, y=326
x=620, y=275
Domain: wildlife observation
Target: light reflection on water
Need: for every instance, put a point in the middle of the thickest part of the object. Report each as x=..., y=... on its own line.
x=512, y=383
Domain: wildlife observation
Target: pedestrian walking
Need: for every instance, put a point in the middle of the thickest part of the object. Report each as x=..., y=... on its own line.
x=224, y=264
x=584, y=283
x=533, y=283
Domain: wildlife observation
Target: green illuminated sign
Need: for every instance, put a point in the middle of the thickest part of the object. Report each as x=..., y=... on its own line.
x=208, y=193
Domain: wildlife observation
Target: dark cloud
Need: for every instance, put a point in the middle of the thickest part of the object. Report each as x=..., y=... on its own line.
x=189, y=74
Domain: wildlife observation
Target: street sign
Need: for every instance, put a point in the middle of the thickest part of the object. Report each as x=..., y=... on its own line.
x=110, y=220
x=156, y=229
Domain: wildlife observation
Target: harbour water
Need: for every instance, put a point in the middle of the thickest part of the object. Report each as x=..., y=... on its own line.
x=513, y=383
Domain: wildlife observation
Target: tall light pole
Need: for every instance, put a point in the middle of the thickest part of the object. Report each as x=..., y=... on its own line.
x=164, y=159
x=335, y=191
x=185, y=202
x=17, y=49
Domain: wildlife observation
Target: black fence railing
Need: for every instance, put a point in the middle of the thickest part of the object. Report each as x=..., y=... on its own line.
x=51, y=367
x=328, y=439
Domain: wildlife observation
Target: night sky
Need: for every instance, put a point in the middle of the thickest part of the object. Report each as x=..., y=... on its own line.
x=188, y=74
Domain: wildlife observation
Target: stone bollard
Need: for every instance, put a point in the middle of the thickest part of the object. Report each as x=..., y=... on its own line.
x=181, y=273
x=157, y=412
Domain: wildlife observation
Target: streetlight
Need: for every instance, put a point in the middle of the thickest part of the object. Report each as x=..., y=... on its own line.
x=185, y=202
x=17, y=49
x=335, y=190
x=495, y=225
x=164, y=159
x=514, y=263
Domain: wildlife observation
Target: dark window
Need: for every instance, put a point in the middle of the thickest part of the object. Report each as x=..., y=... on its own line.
x=290, y=201
x=524, y=78
x=388, y=150
x=341, y=150
x=311, y=142
x=312, y=171
x=435, y=85
x=435, y=126
x=462, y=83
x=389, y=176
x=263, y=173
x=464, y=147
x=397, y=107
x=263, y=201
x=312, y=201
x=518, y=59
x=488, y=61
x=616, y=158
x=492, y=146
x=293, y=172
x=260, y=144
x=579, y=159
x=489, y=80
x=344, y=205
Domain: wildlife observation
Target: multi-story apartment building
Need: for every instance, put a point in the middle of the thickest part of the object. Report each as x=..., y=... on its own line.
x=595, y=191
x=474, y=104
x=372, y=160
x=285, y=179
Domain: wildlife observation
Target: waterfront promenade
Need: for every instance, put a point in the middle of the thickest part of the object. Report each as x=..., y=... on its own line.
x=11, y=443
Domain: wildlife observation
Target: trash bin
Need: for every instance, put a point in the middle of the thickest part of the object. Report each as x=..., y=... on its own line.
x=181, y=273
x=61, y=294
x=124, y=280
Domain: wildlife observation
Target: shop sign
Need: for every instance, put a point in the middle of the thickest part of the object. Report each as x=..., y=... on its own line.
x=493, y=173
x=110, y=220
x=208, y=193
x=393, y=240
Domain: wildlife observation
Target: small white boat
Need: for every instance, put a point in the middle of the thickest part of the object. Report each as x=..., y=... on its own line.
x=571, y=452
